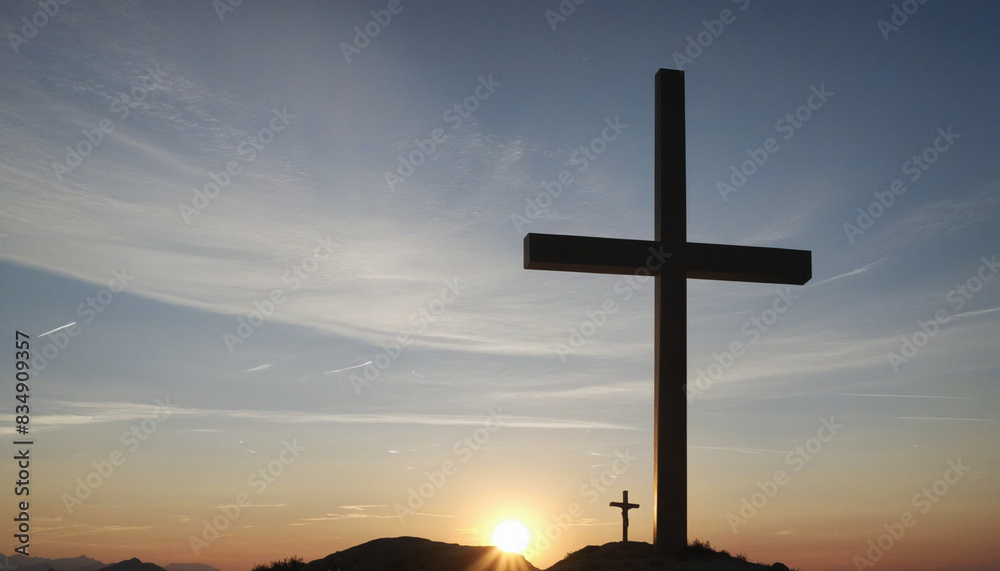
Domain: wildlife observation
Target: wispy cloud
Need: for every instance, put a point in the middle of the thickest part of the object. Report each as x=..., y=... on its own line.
x=251, y=506
x=630, y=388
x=354, y=515
x=975, y=313
x=946, y=217
x=901, y=396
x=94, y=413
x=802, y=356
x=943, y=418
x=81, y=413
x=740, y=450
x=855, y=272
x=360, y=515
x=85, y=529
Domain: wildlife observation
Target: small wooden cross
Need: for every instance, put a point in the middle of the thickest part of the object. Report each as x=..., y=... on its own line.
x=625, y=506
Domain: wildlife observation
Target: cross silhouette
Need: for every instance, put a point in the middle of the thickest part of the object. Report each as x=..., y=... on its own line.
x=672, y=260
x=625, y=506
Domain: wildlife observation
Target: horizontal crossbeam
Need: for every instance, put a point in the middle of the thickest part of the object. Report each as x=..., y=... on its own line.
x=748, y=264
x=703, y=261
x=586, y=254
x=623, y=505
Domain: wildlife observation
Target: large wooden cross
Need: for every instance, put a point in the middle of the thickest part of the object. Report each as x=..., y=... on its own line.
x=672, y=260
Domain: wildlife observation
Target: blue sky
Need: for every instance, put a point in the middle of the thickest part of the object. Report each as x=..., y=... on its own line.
x=420, y=283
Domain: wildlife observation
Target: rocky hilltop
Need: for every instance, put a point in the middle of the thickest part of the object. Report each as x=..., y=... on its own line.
x=416, y=554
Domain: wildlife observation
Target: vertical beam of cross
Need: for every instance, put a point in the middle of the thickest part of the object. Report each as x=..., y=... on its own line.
x=670, y=322
x=672, y=260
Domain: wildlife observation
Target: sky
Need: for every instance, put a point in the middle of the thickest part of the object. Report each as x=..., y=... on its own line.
x=289, y=237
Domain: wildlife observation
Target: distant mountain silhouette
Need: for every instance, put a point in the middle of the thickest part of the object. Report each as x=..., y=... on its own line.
x=83, y=563
x=132, y=565
x=416, y=554
x=80, y=563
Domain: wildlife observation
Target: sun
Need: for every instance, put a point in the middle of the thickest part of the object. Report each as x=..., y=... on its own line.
x=511, y=536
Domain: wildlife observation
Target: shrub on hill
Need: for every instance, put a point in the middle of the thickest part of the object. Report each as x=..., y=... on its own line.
x=286, y=564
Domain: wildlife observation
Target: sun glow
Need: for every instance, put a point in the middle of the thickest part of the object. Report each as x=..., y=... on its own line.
x=511, y=536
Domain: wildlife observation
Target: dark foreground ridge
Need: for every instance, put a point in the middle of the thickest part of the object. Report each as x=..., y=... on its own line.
x=417, y=554
x=639, y=556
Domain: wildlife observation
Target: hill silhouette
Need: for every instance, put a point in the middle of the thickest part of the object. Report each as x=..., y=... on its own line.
x=639, y=556
x=189, y=567
x=133, y=565
x=417, y=554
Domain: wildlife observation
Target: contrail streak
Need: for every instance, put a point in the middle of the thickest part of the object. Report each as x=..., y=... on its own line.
x=348, y=368
x=900, y=396
x=58, y=328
